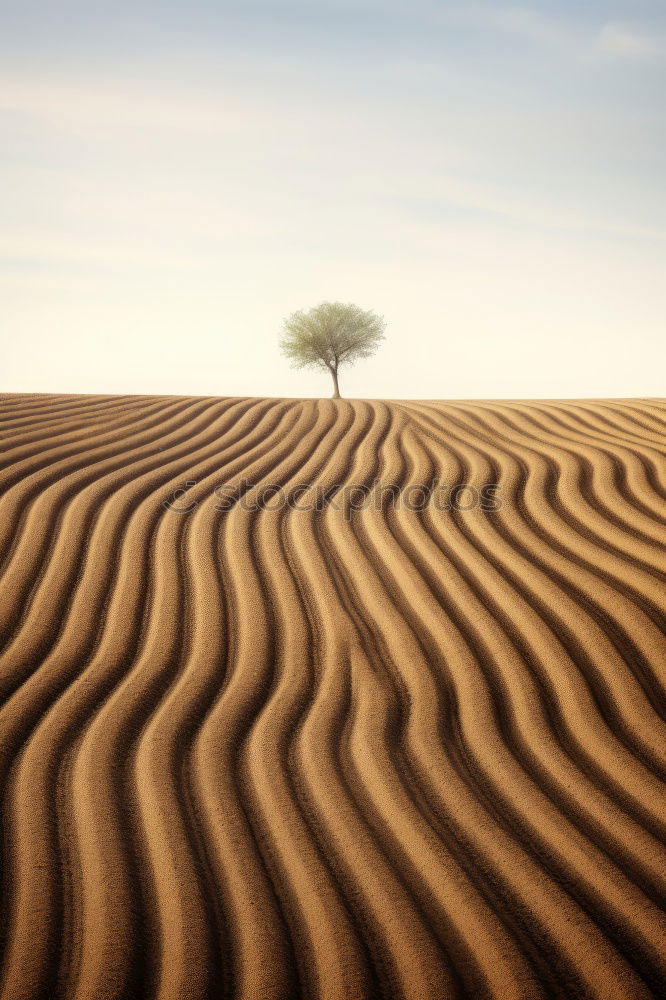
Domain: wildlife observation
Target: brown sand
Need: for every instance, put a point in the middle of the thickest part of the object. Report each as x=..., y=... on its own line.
x=277, y=753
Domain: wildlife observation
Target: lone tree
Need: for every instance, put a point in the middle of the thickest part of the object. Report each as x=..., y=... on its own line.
x=330, y=335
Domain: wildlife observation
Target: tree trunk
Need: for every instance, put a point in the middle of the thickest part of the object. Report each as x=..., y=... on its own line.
x=336, y=388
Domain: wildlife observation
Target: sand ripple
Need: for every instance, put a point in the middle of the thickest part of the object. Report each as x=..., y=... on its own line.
x=267, y=753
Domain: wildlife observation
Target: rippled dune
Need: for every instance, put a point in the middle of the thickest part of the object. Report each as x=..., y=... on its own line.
x=272, y=750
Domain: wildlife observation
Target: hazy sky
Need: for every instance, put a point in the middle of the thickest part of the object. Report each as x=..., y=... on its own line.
x=178, y=176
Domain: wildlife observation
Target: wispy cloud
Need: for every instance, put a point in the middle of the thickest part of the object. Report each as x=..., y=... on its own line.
x=59, y=99
x=532, y=24
x=522, y=22
x=569, y=35
x=625, y=41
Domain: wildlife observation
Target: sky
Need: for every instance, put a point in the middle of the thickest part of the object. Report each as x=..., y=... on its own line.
x=177, y=177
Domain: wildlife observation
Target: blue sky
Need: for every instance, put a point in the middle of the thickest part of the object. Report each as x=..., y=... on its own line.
x=177, y=178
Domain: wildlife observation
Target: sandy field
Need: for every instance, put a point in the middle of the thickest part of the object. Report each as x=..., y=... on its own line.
x=331, y=700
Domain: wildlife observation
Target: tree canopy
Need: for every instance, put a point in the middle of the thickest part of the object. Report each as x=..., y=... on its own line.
x=330, y=335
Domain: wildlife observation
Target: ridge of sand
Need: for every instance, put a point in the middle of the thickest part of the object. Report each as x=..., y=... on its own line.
x=338, y=754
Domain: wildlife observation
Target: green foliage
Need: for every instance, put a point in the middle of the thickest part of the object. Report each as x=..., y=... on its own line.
x=330, y=335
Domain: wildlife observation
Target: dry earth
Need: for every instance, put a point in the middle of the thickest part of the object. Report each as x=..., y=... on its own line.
x=266, y=753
